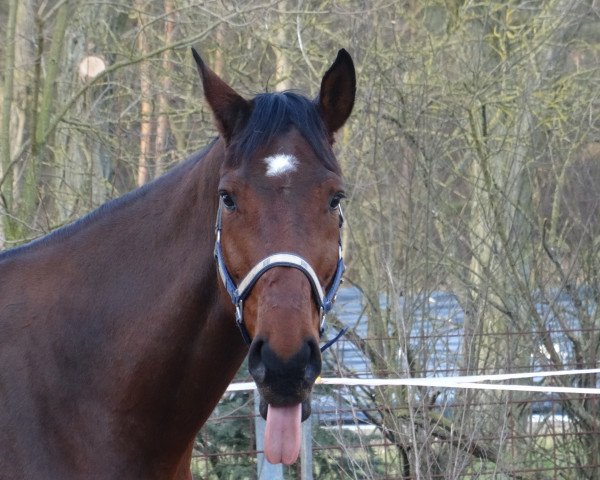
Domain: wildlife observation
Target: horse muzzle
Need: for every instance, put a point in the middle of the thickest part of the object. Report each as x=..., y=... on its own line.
x=282, y=382
x=284, y=386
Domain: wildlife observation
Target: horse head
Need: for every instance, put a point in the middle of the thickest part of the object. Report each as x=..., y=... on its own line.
x=278, y=234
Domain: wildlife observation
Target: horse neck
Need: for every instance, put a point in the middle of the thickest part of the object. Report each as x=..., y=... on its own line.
x=166, y=346
x=183, y=312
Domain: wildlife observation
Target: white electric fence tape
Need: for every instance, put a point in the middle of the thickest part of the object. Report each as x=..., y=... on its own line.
x=470, y=381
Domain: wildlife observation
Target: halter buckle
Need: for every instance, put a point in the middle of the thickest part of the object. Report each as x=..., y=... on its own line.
x=239, y=315
x=239, y=321
x=322, y=315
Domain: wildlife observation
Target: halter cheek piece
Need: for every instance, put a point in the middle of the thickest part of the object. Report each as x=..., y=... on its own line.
x=239, y=293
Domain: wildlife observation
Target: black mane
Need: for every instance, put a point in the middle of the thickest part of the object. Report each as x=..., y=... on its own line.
x=274, y=114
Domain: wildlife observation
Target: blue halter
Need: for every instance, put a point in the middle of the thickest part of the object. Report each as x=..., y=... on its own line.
x=239, y=293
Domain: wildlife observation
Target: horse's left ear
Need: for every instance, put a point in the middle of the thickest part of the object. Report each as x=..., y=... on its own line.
x=338, y=89
x=231, y=111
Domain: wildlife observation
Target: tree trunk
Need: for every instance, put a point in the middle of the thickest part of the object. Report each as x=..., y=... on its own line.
x=5, y=133
x=282, y=67
x=146, y=124
x=22, y=116
x=162, y=127
x=44, y=171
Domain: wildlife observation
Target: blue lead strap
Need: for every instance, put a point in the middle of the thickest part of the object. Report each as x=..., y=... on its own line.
x=329, y=343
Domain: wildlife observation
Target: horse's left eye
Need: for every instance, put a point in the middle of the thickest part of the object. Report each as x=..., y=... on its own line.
x=335, y=200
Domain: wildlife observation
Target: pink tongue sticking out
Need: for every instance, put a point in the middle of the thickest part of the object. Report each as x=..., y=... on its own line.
x=283, y=434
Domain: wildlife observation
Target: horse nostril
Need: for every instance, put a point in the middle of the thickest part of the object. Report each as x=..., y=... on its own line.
x=256, y=366
x=310, y=374
x=313, y=366
x=259, y=372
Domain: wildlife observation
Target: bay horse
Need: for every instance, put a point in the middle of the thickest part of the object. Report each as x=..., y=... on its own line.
x=120, y=332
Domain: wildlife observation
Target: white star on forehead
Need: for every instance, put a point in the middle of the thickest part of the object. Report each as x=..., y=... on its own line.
x=280, y=164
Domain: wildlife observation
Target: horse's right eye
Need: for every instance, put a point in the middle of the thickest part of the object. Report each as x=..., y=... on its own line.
x=227, y=200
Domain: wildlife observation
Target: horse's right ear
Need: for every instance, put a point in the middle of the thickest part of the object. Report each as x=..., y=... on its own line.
x=231, y=111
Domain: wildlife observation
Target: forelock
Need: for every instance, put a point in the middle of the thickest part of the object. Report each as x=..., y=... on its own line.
x=274, y=114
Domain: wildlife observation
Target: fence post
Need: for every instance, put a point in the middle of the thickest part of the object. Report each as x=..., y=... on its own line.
x=264, y=469
x=306, y=460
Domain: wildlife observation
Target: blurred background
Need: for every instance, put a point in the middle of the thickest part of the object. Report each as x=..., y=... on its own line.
x=472, y=162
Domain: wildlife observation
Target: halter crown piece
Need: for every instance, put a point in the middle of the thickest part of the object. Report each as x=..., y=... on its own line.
x=239, y=293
